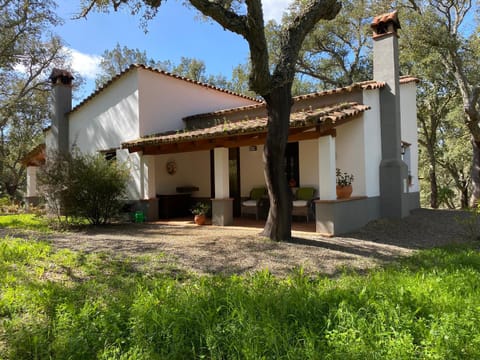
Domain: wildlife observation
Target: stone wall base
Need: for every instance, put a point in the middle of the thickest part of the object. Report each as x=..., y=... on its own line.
x=222, y=212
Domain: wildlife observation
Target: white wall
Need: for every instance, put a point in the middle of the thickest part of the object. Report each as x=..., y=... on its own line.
x=49, y=141
x=251, y=169
x=165, y=101
x=408, y=106
x=32, y=181
x=133, y=163
x=308, y=156
x=108, y=119
x=350, y=156
x=193, y=169
x=373, y=142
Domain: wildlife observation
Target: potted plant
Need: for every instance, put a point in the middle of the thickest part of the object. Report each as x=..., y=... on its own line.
x=200, y=210
x=344, y=184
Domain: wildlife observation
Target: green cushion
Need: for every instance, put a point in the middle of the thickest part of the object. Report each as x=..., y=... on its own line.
x=305, y=193
x=257, y=193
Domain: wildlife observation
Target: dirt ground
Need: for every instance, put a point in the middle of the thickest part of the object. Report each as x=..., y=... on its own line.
x=239, y=250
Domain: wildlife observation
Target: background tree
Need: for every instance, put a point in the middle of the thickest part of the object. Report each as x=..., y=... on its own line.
x=119, y=58
x=446, y=27
x=273, y=82
x=338, y=52
x=28, y=52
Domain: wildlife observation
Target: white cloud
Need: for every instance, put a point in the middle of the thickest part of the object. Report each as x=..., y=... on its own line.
x=273, y=9
x=85, y=64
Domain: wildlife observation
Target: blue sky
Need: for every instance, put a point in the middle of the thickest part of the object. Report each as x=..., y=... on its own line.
x=175, y=32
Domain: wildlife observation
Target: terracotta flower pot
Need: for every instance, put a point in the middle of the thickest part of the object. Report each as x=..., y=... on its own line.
x=344, y=192
x=199, y=219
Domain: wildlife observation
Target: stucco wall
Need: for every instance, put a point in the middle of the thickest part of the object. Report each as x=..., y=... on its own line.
x=251, y=169
x=165, y=101
x=108, y=119
x=133, y=163
x=373, y=142
x=350, y=156
x=193, y=169
x=408, y=107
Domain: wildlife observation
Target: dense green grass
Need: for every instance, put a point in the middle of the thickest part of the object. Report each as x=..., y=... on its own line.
x=67, y=305
x=24, y=222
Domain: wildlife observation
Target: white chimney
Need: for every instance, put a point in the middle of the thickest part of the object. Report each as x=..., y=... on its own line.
x=393, y=171
x=62, y=105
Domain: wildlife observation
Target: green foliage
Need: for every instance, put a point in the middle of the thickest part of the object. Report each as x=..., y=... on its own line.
x=200, y=208
x=7, y=205
x=343, y=178
x=68, y=305
x=83, y=186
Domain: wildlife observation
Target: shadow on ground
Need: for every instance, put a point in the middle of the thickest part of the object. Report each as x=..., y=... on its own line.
x=239, y=250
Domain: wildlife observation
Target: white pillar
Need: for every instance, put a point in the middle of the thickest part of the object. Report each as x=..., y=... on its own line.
x=32, y=181
x=327, y=168
x=149, y=177
x=222, y=186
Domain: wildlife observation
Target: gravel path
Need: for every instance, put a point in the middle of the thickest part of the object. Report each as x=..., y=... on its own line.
x=237, y=250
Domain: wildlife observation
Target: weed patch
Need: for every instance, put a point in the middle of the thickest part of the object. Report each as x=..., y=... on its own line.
x=25, y=222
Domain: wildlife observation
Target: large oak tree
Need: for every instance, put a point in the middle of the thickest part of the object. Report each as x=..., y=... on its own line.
x=273, y=82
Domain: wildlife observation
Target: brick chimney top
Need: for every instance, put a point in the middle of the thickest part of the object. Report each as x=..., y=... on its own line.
x=385, y=24
x=59, y=76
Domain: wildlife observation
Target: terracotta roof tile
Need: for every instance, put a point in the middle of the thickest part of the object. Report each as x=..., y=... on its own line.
x=406, y=79
x=226, y=111
x=35, y=157
x=157, y=71
x=298, y=119
x=364, y=85
x=385, y=18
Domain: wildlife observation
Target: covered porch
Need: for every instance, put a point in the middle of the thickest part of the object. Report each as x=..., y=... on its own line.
x=203, y=160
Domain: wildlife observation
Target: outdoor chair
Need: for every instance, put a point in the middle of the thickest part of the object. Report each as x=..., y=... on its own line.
x=303, y=202
x=254, y=202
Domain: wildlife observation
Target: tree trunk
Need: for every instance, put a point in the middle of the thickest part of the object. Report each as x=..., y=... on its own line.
x=464, y=197
x=475, y=173
x=279, y=222
x=432, y=175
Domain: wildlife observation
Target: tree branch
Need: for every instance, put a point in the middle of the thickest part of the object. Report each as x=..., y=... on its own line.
x=225, y=17
x=292, y=38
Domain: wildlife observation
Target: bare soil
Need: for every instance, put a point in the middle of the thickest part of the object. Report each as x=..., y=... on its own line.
x=240, y=250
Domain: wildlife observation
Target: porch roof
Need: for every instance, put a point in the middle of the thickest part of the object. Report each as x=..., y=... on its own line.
x=305, y=124
x=35, y=157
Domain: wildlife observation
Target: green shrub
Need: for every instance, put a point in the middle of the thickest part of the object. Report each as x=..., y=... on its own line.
x=83, y=186
x=7, y=206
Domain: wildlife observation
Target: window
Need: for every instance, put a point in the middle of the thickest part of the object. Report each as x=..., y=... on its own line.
x=292, y=164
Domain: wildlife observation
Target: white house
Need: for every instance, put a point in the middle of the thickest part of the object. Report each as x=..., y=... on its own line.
x=184, y=140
